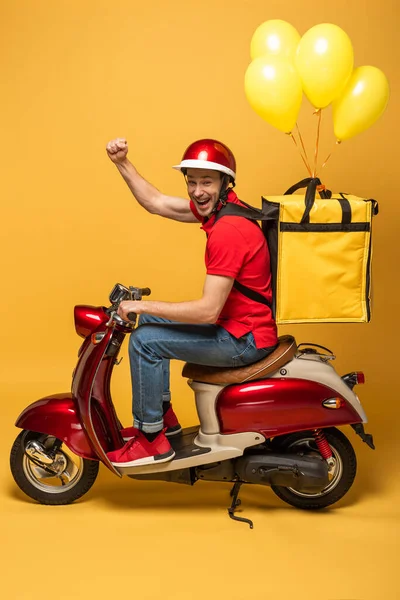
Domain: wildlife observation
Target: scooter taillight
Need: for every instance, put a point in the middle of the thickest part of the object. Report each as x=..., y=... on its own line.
x=355, y=378
x=360, y=377
x=88, y=319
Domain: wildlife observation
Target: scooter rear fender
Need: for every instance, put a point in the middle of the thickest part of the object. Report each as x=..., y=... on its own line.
x=57, y=415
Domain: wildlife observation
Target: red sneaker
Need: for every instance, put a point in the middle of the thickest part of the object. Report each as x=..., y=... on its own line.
x=139, y=451
x=170, y=422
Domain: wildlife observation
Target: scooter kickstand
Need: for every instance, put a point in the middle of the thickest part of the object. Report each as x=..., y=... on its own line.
x=234, y=493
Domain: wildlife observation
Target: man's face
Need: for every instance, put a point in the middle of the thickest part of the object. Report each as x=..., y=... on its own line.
x=204, y=186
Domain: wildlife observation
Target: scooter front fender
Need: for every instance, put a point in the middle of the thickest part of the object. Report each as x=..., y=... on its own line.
x=57, y=415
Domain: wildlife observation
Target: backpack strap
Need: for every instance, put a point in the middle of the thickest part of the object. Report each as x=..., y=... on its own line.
x=252, y=294
x=267, y=213
x=252, y=214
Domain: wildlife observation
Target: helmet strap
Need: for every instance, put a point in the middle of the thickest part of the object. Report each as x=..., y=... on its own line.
x=223, y=194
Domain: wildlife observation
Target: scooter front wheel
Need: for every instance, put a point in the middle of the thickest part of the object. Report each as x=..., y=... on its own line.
x=341, y=474
x=62, y=481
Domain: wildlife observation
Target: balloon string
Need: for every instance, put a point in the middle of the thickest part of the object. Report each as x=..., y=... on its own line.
x=302, y=157
x=304, y=149
x=328, y=157
x=319, y=113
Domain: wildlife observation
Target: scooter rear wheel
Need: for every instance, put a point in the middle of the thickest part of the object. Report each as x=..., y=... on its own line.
x=341, y=475
x=70, y=480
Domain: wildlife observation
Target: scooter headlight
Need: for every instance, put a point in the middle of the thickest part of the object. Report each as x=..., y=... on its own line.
x=88, y=319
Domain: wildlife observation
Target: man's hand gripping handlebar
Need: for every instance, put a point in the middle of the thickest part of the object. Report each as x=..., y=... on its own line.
x=136, y=294
x=119, y=294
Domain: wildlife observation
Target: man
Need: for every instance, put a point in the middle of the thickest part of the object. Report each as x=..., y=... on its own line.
x=222, y=328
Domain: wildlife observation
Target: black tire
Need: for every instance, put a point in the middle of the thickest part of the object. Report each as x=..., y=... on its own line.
x=23, y=469
x=342, y=478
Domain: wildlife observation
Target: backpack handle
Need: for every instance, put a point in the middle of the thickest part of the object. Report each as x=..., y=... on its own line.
x=311, y=183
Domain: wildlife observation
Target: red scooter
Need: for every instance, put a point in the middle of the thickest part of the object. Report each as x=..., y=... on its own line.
x=270, y=423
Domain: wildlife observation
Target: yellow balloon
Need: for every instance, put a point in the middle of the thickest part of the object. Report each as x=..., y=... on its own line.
x=274, y=38
x=363, y=101
x=324, y=60
x=273, y=89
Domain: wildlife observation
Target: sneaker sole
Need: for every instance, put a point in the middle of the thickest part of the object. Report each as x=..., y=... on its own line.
x=171, y=432
x=148, y=460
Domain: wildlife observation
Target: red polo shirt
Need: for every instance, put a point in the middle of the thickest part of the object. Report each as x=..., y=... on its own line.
x=236, y=248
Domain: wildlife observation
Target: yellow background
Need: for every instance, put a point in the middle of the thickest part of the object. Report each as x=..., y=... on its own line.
x=75, y=74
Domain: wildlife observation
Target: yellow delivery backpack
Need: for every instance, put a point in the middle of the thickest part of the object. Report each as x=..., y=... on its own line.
x=320, y=251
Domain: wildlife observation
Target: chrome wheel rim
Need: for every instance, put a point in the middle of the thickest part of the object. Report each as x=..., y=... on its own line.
x=52, y=483
x=309, y=447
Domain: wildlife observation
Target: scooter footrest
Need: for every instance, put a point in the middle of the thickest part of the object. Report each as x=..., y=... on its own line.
x=184, y=445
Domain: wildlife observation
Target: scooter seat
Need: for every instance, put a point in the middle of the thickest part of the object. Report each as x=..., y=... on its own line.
x=284, y=353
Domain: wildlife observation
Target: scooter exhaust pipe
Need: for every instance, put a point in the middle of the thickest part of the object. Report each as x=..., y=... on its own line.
x=302, y=473
x=36, y=451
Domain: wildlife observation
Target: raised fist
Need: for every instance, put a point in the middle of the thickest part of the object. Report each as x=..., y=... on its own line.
x=117, y=150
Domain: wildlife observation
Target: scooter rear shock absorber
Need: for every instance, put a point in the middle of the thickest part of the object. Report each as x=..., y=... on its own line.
x=322, y=444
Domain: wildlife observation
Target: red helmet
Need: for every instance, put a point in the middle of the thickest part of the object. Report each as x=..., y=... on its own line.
x=208, y=154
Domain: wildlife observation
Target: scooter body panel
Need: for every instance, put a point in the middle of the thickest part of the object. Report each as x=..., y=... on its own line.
x=92, y=376
x=84, y=419
x=58, y=415
x=278, y=406
x=311, y=368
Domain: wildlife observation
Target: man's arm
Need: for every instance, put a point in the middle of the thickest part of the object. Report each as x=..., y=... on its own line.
x=145, y=193
x=205, y=310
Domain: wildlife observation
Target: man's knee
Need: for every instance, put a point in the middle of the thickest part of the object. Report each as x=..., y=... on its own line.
x=141, y=337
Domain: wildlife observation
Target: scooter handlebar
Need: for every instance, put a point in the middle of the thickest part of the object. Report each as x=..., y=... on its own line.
x=121, y=293
x=143, y=292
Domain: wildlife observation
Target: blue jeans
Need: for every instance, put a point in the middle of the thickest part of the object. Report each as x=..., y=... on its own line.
x=155, y=341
